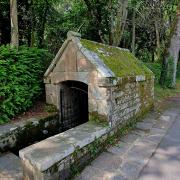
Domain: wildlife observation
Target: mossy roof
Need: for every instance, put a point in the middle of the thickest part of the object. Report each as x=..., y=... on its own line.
x=121, y=61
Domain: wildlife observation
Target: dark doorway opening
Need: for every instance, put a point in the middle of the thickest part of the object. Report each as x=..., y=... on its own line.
x=73, y=104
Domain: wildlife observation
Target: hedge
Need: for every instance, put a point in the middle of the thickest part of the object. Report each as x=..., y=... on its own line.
x=21, y=79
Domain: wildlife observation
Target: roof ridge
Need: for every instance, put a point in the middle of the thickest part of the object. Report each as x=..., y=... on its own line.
x=120, y=48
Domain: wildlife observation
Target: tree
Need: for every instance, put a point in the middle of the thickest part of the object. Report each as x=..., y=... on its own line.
x=14, y=23
x=171, y=55
x=134, y=6
x=118, y=21
x=109, y=18
x=174, y=47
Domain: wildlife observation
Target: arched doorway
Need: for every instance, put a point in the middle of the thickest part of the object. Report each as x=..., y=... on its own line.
x=73, y=104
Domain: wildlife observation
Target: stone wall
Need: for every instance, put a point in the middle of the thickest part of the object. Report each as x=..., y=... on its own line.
x=130, y=97
x=18, y=135
x=60, y=156
x=116, y=100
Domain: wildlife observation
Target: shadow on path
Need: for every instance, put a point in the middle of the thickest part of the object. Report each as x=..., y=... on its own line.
x=165, y=163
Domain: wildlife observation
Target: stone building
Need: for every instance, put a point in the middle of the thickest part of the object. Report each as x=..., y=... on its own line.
x=89, y=81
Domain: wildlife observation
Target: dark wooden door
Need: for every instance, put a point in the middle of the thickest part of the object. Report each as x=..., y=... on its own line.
x=73, y=107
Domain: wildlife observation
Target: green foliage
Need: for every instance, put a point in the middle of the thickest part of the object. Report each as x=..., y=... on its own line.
x=65, y=16
x=96, y=118
x=21, y=77
x=164, y=92
x=156, y=69
x=166, y=79
x=144, y=55
x=50, y=108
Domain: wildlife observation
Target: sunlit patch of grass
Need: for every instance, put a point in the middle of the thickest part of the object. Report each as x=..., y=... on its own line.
x=164, y=92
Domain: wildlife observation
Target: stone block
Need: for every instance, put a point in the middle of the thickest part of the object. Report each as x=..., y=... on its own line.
x=104, y=107
x=98, y=93
x=83, y=64
x=93, y=105
x=92, y=173
x=130, y=170
x=119, y=149
x=130, y=138
x=140, y=153
x=140, y=78
x=52, y=94
x=107, y=161
x=10, y=167
x=144, y=125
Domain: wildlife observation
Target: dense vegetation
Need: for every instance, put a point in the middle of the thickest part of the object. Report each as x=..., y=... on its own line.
x=21, y=76
x=146, y=27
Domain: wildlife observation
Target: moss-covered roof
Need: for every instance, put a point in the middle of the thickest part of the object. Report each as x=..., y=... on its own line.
x=121, y=61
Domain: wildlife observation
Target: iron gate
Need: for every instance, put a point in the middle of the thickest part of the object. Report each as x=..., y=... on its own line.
x=73, y=107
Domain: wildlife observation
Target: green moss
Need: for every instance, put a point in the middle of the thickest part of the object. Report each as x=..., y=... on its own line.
x=121, y=61
x=50, y=108
x=99, y=119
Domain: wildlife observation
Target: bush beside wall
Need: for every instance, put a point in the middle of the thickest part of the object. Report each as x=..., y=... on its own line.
x=21, y=78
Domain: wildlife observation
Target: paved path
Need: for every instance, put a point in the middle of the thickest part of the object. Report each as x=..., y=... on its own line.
x=10, y=167
x=150, y=152
x=165, y=163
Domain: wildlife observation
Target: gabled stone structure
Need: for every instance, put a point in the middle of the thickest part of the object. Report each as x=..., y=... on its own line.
x=117, y=85
x=87, y=81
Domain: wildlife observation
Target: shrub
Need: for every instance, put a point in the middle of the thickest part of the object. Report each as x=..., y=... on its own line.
x=144, y=55
x=156, y=69
x=21, y=78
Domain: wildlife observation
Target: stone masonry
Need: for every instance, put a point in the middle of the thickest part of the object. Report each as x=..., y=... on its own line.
x=112, y=96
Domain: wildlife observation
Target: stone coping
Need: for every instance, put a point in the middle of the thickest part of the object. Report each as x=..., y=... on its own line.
x=50, y=151
x=17, y=135
x=12, y=126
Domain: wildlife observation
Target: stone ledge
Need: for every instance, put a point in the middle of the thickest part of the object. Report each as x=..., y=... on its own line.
x=15, y=133
x=45, y=154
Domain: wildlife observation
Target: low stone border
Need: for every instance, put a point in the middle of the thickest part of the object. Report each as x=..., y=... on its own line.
x=15, y=136
x=63, y=155
x=60, y=156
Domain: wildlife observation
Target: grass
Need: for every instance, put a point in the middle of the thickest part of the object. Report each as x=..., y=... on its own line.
x=162, y=93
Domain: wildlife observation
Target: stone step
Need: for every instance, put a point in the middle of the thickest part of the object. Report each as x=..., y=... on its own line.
x=10, y=167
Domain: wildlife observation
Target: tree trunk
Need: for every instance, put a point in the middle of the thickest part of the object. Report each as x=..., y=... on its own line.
x=95, y=13
x=158, y=53
x=119, y=22
x=157, y=34
x=172, y=52
x=133, y=31
x=32, y=25
x=118, y=16
x=43, y=19
x=14, y=23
